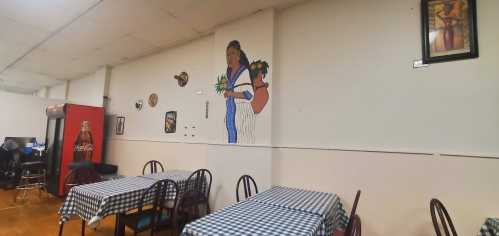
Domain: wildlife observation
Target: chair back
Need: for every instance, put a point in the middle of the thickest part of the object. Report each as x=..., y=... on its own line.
x=348, y=230
x=152, y=166
x=356, y=227
x=79, y=176
x=155, y=197
x=197, y=189
x=436, y=207
x=245, y=179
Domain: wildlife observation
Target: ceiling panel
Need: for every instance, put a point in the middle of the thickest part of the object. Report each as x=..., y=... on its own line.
x=165, y=33
x=43, y=62
x=24, y=82
x=127, y=15
x=10, y=52
x=204, y=15
x=15, y=32
x=81, y=38
x=46, y=14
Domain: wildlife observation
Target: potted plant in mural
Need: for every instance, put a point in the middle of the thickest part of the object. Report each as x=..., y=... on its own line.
x=245, y=93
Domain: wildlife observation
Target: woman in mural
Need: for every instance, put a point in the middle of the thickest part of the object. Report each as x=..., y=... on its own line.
x=239, y=117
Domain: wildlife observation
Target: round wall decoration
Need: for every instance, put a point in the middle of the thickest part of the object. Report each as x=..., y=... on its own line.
x=153, y=100
x=182, y=78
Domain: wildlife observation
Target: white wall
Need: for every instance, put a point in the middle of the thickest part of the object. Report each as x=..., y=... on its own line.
x=59, y=91
x=347, y=82
x=396, y=188
x=137, y=80
x=130, y=156
x=23, y=115
x=89, y=90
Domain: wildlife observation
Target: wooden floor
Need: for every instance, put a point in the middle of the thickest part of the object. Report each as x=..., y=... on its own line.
x=38, y=216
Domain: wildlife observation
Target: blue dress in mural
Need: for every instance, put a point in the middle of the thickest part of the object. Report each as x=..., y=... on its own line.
x=239, y=117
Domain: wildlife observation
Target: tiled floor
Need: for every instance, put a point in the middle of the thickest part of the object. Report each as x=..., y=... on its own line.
x=38, y=216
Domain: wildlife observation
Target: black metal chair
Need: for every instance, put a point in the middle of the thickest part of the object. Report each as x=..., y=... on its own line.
x=349, y=229
x=152, y=166
x=436, y=206
x=197, y=193
x=245, y=179
x=356, y=229
x=79, y=176
x=151, y=213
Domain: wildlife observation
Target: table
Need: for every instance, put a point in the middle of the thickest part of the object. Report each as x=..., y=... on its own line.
x=179, y=176
x=277, y=211
x=490, y=227
x=92, y=202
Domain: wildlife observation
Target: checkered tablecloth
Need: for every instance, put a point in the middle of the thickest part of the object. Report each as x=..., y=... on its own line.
x=92, y=202
x=326, y=205
x=490, y=228
x=179, y=176
x=284, y=210
x=253, y=218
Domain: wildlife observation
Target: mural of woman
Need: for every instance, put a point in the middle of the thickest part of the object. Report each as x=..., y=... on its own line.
x=239, y=117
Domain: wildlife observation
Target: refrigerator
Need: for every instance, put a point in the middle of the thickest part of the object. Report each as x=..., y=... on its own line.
x=74, y=137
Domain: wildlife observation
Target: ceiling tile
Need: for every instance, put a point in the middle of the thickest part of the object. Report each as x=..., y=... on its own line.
x=205, y=15
x=127, y=48
x=127, y=15
x=15, y=32
x=46, y=14
x=165, y=33
x=82, y=37
x=9, y=52
x=27, y=79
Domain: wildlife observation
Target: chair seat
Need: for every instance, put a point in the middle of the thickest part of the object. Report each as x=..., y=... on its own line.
x=140, y=221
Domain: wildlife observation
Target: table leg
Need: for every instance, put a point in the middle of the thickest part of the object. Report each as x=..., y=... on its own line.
x=119, y=228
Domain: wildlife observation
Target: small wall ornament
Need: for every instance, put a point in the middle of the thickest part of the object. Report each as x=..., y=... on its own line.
x=182, y=78
x=139, y=104
x=153, y=100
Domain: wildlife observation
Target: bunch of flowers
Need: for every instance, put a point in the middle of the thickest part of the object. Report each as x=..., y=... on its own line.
x=222, y=84
x=257, y=67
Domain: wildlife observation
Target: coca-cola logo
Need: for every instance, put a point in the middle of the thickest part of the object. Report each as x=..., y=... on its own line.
x=83, y=148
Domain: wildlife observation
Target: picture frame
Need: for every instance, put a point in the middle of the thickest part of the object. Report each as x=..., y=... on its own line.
x=170, y=122
x=120, y=125
x=449, y=30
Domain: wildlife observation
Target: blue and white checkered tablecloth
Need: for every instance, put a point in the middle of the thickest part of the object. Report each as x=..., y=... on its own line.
x=490, y=227
x=327, y=205
x=179, y=176
x=253, y=218
x=92, y=202
x=282, y=204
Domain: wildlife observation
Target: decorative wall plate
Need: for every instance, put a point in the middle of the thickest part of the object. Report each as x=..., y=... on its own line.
x=153, y=100
x=182, y=78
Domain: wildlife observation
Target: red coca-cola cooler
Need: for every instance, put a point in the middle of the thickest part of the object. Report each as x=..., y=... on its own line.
x=74, y=137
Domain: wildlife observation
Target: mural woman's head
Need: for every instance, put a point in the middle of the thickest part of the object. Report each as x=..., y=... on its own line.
x=235, y=55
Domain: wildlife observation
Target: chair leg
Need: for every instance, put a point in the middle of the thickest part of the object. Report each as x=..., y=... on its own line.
x=82, y=227
x=60, y=229
x=208, y=210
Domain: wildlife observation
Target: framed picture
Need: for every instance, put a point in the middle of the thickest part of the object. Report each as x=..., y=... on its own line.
x=170, y=122
x=449, y=30
x=120, y=125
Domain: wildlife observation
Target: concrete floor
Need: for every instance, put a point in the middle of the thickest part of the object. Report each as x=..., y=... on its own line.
x=38, y=216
